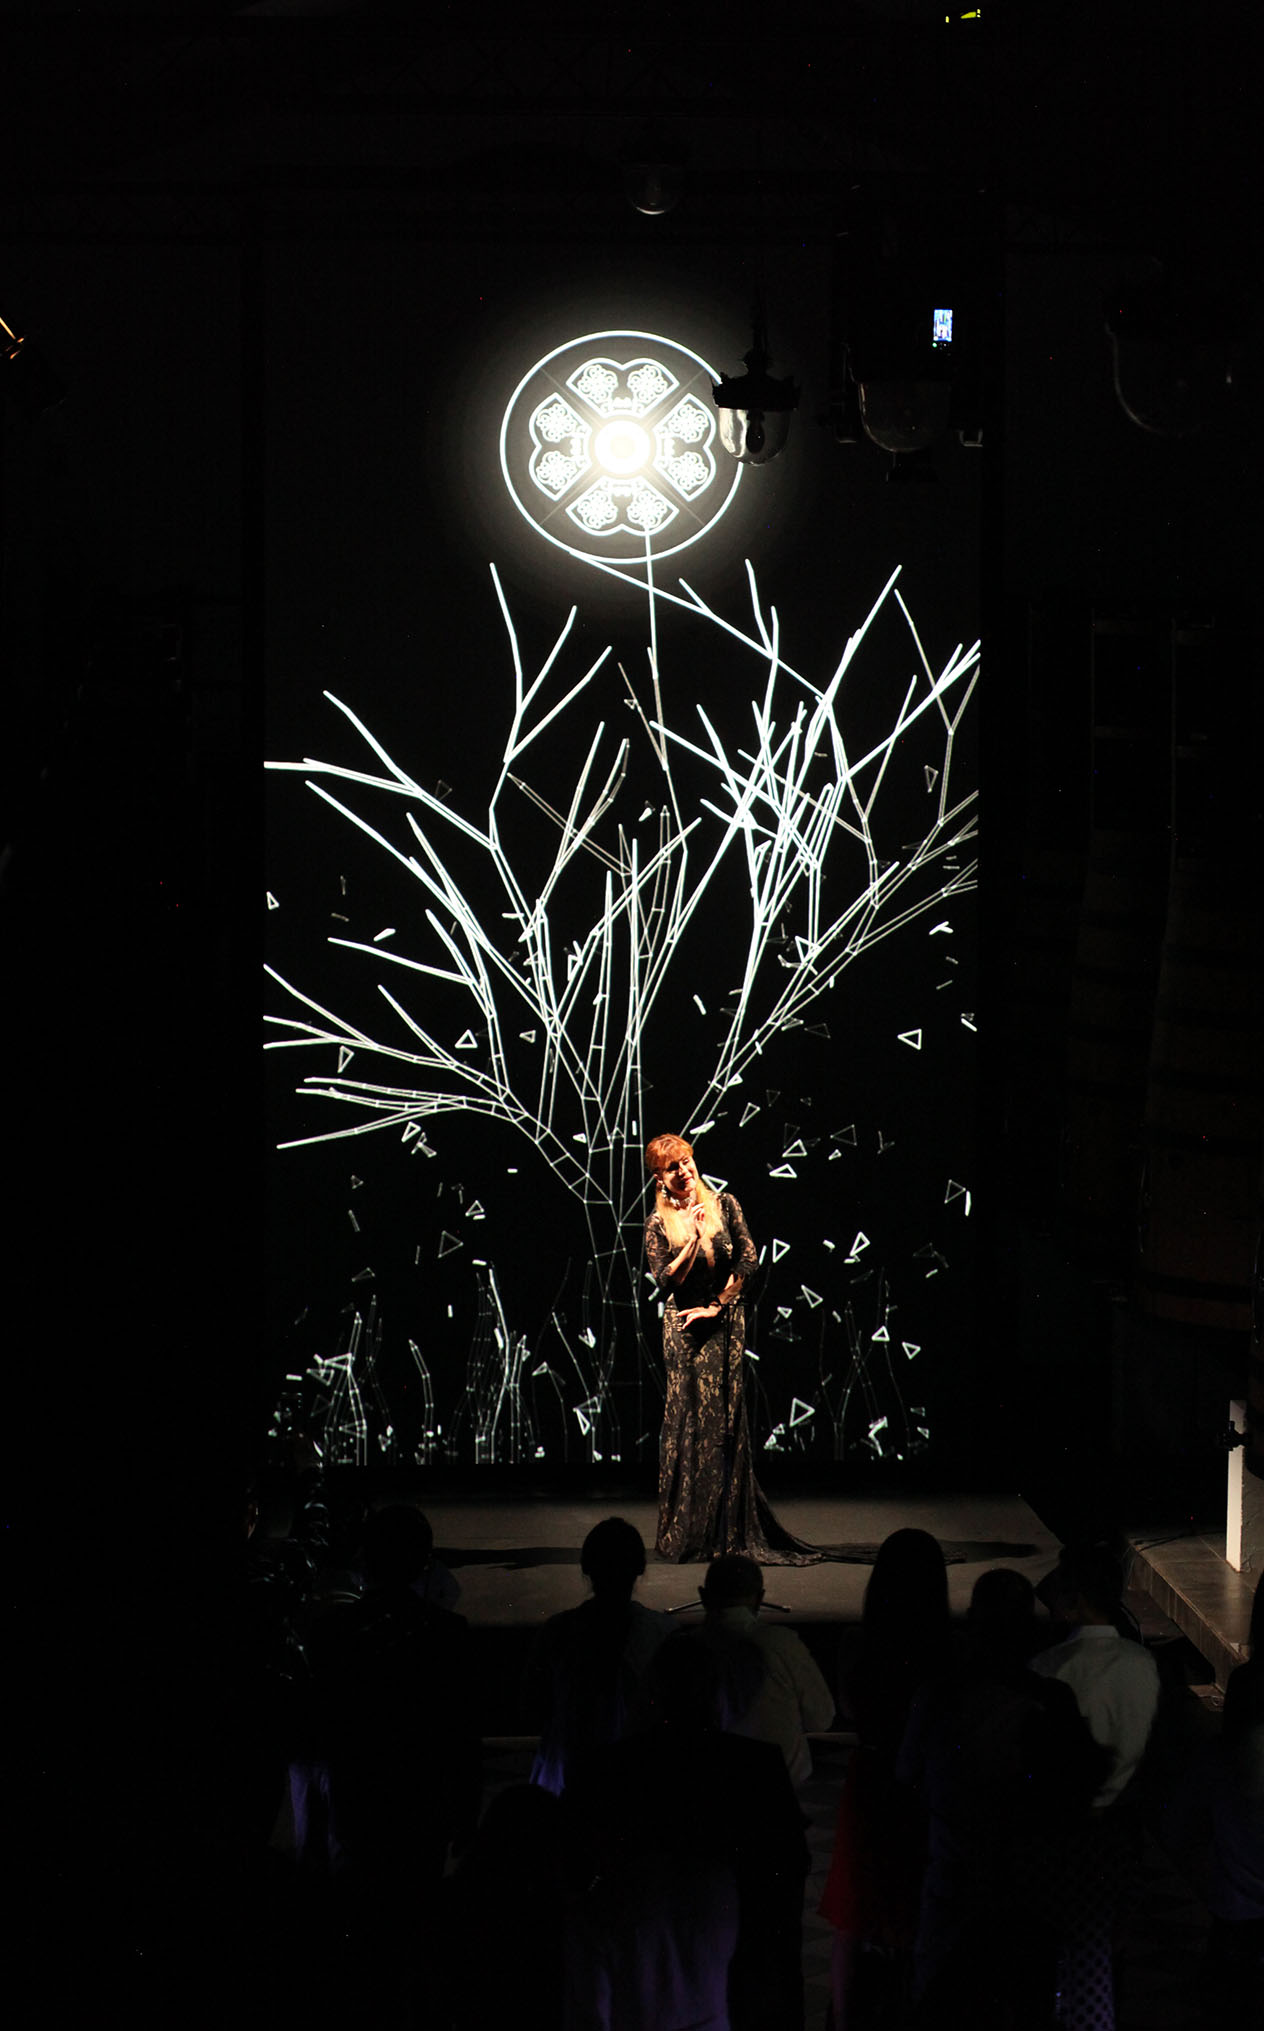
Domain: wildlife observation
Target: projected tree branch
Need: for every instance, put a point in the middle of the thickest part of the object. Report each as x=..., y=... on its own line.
x=535, y=990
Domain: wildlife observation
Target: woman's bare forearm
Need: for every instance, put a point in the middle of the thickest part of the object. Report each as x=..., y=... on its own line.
x=682, y=1261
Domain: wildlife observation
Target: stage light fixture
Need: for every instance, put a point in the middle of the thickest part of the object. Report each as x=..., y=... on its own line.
x=903, y=416
x=1177, y=351
x=755, y=410
x=653, y=172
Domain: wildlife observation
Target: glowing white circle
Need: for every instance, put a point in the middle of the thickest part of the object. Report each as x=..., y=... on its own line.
x=608, y=448
x=622, y=448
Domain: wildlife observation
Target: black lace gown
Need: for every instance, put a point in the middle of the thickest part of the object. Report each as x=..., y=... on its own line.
x=709, y=1500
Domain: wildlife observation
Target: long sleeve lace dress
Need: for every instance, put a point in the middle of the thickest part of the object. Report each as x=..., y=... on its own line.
x=709, y=1500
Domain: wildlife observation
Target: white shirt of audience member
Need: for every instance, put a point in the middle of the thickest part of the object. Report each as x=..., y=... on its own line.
x=1116, y=1686
x=794, y=1699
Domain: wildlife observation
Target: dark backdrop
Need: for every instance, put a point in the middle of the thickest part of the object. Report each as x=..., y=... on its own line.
x=199, y=219
x=385, y=504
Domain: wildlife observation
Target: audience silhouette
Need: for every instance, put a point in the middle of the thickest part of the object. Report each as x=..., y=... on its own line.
x=512, y=1879
x=692, y=1844
x=1116, y=1685
x=394, y=1730
x=1007, y=1769
x=394, y=1714
x=232, y=1787
x=651, y=1875
x=790, y=1698
x=586, y=1678
x=263, y=1661
x=873, y=1887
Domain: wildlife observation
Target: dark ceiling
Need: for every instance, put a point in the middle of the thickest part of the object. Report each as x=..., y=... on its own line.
x=1111, y=118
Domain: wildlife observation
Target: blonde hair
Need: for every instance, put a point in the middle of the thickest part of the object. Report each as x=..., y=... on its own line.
x=677, y=1226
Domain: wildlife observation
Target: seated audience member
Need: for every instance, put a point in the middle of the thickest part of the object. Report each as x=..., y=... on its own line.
x=1116, y=1686
x=436, y=1585
x=1115, y=1680
x=394, y=1731
x=394, y=1711
x=1006, y=1768
x=875, y=1874
x=502, y=1916
x=262, y=1657
x=792, y=1698
x=249, y=1900
x=586, y=1680
x=339, y=1580
x=691, y=1844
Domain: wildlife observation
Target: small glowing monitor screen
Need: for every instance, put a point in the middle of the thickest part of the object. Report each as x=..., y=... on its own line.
x=942, y=334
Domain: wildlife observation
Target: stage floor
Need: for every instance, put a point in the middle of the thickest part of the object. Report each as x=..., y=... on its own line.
x=517, y=1561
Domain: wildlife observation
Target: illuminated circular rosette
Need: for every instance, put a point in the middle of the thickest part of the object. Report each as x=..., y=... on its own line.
x=608, y=448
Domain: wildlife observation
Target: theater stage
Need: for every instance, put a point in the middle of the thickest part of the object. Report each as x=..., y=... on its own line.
x=517, y=1560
